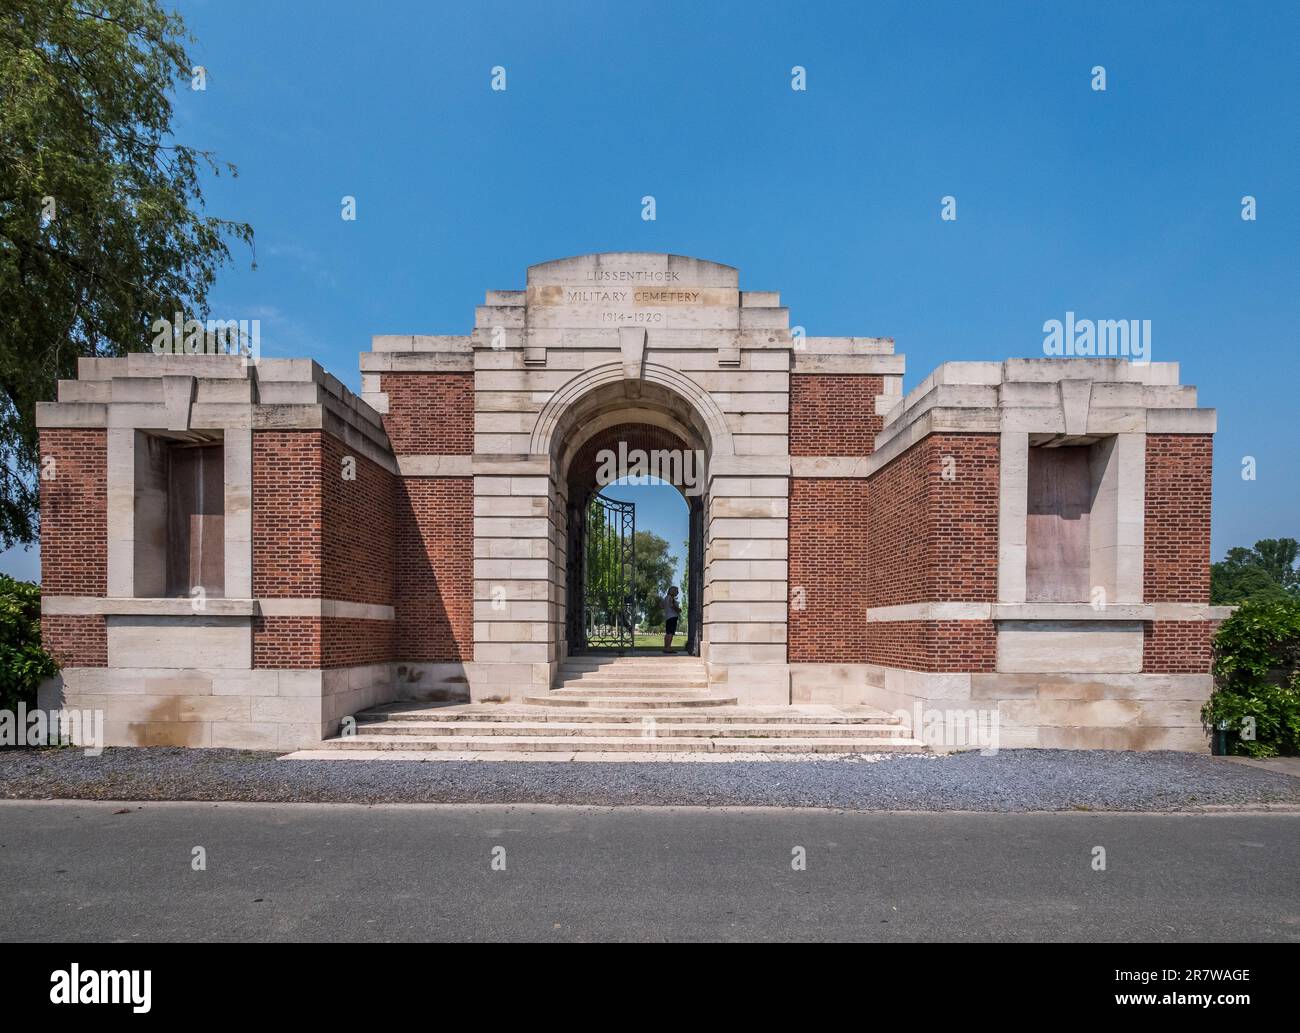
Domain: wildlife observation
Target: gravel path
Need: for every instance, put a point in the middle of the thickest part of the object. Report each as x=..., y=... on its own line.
x=1013, y=780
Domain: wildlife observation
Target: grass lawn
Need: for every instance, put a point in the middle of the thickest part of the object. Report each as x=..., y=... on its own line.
x=643, y=640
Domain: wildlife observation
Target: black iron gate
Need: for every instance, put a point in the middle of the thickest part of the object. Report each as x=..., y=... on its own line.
x=602, y=558
x=695, y=577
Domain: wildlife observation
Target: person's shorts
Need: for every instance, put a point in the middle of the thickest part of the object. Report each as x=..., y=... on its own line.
x=670, y=626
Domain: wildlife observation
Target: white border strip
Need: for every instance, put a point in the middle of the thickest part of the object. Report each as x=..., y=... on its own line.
x=326, y=608
x=957, y=611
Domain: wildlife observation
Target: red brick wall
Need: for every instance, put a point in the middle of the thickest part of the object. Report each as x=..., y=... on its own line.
x=74, y=513
x=317, y=535
x=933, y=645
x=348, y=641
x=75, y=641
x=285, y=642
x=321, y=642
x=828, y=561
x=834, y=414
x=905, y=535
x=1178, y=647
x=932, y=539
x=359, y=524
x=435, y=569
x=935, y=540
x=1177, y=528
x=358, y=551
x=430, y=413
x=287, y=514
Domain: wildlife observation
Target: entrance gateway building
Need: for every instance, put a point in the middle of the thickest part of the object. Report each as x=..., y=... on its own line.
x=247, y=554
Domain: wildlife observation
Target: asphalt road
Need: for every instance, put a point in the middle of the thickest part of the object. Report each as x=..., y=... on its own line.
x=80, y=871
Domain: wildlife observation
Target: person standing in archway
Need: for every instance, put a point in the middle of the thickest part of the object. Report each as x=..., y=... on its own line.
x=672, y=611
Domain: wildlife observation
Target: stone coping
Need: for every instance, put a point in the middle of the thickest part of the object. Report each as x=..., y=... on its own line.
x=177, y=392
x=978, y=396
x=54, y=605
x=184, y=607
x=1037, y=611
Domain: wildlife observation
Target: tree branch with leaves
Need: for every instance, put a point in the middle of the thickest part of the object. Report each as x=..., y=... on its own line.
x=102, y=223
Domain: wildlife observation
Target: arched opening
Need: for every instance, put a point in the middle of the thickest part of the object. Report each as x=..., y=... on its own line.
x=621, y=584
x=613, y=431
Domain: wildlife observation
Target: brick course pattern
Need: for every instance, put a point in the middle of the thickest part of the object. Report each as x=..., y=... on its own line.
x=74, y=512
x=934, y=539
x=287, y=522
x=904, y=535
x=286, y=642
x=75, y=641
x=933, y=645
x=359, y=522
x=834, y=414
x=320, y=642
x=828, y=564
x=349, y=641
x=435, y=569
x=1177, y=529
x=429, y=413
x=1178, y=647
x=317, y=535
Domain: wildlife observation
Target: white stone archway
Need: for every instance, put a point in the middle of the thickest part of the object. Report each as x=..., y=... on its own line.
x=602, y=340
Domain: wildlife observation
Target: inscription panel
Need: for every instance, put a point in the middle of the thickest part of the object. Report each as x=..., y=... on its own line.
x=633, y=289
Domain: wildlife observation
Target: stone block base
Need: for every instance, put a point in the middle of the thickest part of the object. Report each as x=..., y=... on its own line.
x=426, y=682
x=752, y=684
x=1045, y=710
x=242, y=709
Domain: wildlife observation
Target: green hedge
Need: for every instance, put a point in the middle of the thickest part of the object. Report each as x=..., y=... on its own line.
x=1257, y=679
x=23, y=663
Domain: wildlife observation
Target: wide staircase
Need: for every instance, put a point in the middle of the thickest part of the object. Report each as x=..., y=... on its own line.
x=627, y=705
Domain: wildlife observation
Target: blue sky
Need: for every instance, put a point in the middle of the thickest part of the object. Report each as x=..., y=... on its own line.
x=1122, y=204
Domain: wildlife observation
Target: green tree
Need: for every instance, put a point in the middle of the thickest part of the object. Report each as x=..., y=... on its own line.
x=652, y=578
x=602, y=569
x=23, y=663
x=684, y=588
x=101, y=224
x=1265, y=573
x=1257, y=676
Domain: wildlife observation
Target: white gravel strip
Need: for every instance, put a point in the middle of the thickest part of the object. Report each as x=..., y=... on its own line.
x=1013, y=780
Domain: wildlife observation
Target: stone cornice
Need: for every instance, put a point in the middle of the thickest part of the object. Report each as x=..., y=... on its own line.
x=1073, y=612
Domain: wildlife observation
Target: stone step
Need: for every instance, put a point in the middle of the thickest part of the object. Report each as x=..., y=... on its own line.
x=646, y=729
x=715, y=716
x=640, y=657
x=639, y=702
x=608, y=744
x=647, y=691
x=649, y=673
x=665, y=666
x=615, y=681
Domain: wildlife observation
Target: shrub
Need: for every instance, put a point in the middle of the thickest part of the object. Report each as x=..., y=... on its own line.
x=1257, y=678
x=23, y=663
